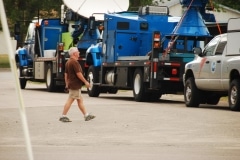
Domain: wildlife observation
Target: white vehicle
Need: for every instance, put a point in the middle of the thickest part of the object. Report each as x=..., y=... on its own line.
x=215, y=71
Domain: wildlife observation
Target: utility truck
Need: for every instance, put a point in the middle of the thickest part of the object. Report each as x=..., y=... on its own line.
x=45, y=50
x=146, y=51
x=215, y=71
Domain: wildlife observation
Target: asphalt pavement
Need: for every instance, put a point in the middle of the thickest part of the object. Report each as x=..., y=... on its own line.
x=122, y=130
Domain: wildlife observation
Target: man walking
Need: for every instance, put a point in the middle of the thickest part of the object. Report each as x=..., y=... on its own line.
x=74, y=80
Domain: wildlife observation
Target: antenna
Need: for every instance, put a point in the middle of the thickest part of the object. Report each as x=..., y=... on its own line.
x=87, y=8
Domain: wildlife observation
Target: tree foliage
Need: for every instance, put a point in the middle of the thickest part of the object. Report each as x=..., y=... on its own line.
x=229, y=3
x=23, y=11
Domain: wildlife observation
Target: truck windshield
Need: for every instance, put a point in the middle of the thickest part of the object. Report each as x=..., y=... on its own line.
x=30, y=34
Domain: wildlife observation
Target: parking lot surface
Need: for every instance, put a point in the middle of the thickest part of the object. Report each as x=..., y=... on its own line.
x=122, y=130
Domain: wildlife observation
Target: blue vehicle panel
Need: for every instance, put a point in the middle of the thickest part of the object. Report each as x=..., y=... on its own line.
x=50, y=31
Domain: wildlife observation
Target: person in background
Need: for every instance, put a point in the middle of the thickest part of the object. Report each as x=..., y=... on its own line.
x=74, y=80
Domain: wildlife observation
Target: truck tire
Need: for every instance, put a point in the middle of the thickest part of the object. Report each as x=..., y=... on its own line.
x=50, y=79
x=154, y=96
x=139, y=88
x=23, y=83
x=191, y=93
x=113, y=90
x=234, y=95
x=93, y=77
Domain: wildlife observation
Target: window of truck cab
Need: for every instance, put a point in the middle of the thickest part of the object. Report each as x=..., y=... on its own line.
x=211, y=46
x=221, y=45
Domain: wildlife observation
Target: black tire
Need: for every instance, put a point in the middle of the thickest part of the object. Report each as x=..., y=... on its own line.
x=113, y=90
x=139, y=88
x=50, y=84
x=191, y=93
x=93, y=77
x=234, y=95
x=22, y=81
x=154, y=96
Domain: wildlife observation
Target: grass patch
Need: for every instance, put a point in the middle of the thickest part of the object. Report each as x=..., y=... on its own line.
x=4, y=61
x=224, y=99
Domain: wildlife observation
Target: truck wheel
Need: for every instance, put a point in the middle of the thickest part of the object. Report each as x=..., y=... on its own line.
x=113, y=90
x=234, y=95
x=139, y=88
x=154, y=96
x=191, y=93
x=23, y=83
x=50, y=79
x=93, y=77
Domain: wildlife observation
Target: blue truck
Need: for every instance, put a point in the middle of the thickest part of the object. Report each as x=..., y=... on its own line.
x=146, y=51
x=45, y=51
x=43, y=56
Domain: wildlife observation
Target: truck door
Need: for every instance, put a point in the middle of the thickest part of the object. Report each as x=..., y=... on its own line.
x=216, y=66
x=108, y=47
x=127, y=44
x=120, y=44
x=51, y=36
x=206, y=63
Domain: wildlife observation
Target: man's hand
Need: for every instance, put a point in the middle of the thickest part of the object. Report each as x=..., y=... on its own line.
x=66, y=89
x=87, y=84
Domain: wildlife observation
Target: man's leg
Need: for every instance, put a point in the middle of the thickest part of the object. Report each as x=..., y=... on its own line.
x=67, y=106
x=81, y=105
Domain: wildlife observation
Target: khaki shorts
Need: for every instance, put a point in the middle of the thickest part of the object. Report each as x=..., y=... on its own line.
x=75, y=94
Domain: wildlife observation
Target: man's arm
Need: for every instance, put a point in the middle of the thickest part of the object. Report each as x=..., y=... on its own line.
x=66, y=79
x=81, y=77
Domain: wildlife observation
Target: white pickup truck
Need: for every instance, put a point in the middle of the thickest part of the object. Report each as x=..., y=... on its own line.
x=215, y=71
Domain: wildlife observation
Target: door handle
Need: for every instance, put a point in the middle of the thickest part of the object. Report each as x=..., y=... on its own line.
x=219, y=61
x=207, y=62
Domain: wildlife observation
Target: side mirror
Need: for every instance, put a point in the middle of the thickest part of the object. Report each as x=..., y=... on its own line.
x=91, y=23
x=197, y=51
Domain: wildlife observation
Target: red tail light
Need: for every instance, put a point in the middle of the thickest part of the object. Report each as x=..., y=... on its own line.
x=174, y=71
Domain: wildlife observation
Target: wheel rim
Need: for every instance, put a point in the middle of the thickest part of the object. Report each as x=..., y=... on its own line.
x=90, y=79
x=137, y=84
x=48, y=80
x=233, y=96
x=188, y=93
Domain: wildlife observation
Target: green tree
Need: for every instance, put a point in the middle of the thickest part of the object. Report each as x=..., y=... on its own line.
x=229, y=3
x=23, y=11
